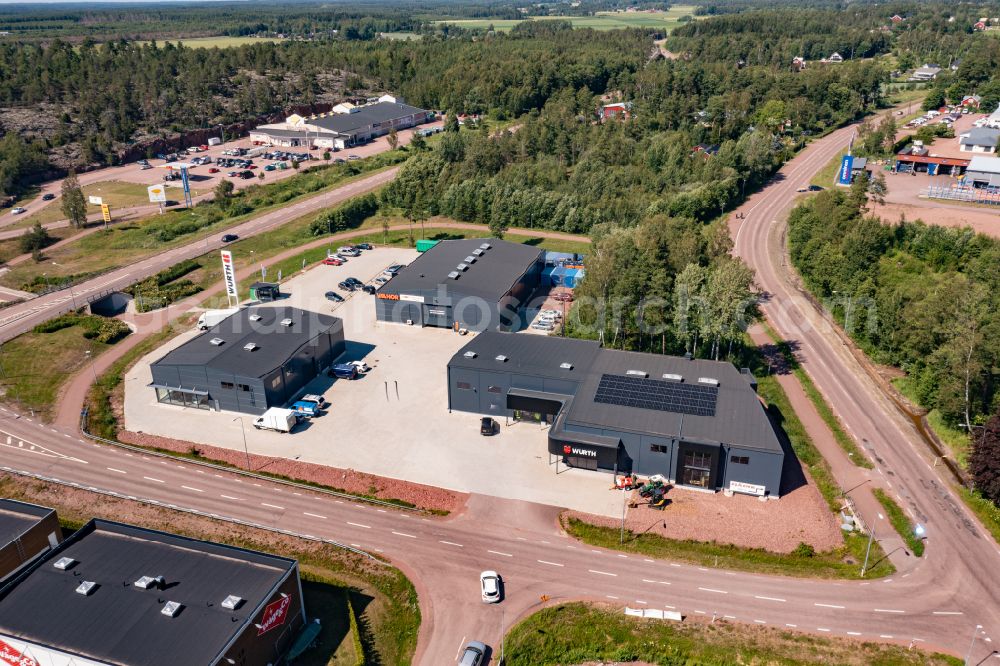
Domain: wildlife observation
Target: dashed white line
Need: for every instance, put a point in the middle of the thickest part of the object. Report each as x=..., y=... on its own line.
x=551, y=564
x=230, y=497
x=822, y=629
x=709, y=589
x=770, y=598
x=272, y=506
x=112, y=469
x=610, y=596
x=829, y=606
x=149, y=478
x=947, y=613
x=497, y=552
x=404, y=534
x=452, y=543
x=197, y=490
x=313, y=515
x=887, y=610
x=601, y=573
x=367, y=527
x=760, y=621
x=853, y=633
x=885, y=635
x=793, y=626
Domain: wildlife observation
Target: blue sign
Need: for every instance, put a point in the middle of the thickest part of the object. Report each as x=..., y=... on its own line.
x=846, y=164
x=187, y=185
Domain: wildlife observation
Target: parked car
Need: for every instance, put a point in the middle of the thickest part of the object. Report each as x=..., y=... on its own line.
x=380, y=280
x=143, y=167
x=395, y=268
x=19, y=210
x=369, y=289
x=334, y=296
x=489, y=582
x=563, y=297
x=473, y=654
x=815, y=188
x=229, y=238
x=348, y=250
x=270, y=167
x=345, y=285
x=48, y=196
x=332, y=261
x=344, y=371
x=355, y=281
x=487, y=426
x=361, y=366
x=213, y=170
x=363, y=246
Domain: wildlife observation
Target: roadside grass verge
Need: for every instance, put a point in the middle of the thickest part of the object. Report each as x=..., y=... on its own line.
x=576, y=633
x=846, y=442
x=383, y=598
x=985, y=510
x=956, y=440
x=900, y=521
x=826, y=176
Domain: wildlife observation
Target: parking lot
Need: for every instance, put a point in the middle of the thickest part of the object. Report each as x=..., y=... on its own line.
x=393, y=421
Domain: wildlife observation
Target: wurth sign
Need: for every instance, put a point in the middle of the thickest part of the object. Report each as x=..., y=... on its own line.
x=274, y=615
x=11, y=656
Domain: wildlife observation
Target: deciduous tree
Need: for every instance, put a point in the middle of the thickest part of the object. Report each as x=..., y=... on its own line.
x=74, y=206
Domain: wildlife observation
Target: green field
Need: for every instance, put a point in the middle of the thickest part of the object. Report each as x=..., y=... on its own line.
x=217, y=42
x=600, y=21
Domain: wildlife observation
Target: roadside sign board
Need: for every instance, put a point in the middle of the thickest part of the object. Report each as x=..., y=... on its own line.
x=229, y=275
x=106, y=212
x=157, y=193
x=747, y=488
x=846, y=164
x=97, y=201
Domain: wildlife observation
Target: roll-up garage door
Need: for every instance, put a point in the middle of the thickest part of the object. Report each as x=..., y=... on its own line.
x=437, y=315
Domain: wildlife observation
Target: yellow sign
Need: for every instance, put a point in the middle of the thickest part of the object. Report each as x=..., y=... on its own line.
x=106, y=212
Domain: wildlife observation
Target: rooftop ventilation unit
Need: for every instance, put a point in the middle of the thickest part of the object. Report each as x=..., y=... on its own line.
x=708, y=380
x=255, y=317
x=147, y=582
x=86, y=588
x=477, y=252
x=286, y=322
x=485, y=246
x=637, y=373
x=462, y=267
x=216, y=341
x=673, y=378
x=501, y=358
x=171, y=608
x=250, y=346
x=232, y=602
x=566, y=366
x=453, y=275
x=470, y=259
x=64, y=563
x=469, y=354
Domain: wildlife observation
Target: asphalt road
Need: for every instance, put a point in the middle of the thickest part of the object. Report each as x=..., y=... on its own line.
x=19, y=318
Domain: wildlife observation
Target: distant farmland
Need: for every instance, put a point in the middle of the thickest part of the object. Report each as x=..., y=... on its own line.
x=600, y=21
x=216, y=42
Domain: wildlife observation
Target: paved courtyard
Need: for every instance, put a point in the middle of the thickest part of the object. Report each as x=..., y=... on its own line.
x=393, y=422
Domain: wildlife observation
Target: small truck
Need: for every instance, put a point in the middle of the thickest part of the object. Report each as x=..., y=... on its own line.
x=277, y=419
x=308, y=405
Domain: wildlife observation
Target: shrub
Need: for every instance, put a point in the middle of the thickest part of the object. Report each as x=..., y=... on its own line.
x=804, y=550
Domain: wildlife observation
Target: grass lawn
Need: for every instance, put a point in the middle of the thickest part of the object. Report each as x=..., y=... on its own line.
x=383, y=598
x=900, y=521
x=600, y=21
x=577, y=633
x=220, y=42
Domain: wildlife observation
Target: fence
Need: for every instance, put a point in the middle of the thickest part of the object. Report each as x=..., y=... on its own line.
x=966, y=194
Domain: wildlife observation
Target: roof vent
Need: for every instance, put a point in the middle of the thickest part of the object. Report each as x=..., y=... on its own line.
x=501, y=358
x=232, y=602
x=462, y=267
x=673, y=378
x=147, y=582
x=86, y=588
x=470, y=259
x=250, y=346
x=255, y=317
x=477, y=252
x=171, y=608
x=469, y=354
x=485, y=246
x=708, y=380
x=286, y=322
x=216, y=341
x=566, y=366
x=637, y=373
x=64, y=563
x=453, y=275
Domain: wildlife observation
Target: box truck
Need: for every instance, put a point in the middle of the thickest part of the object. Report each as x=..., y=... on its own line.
x=277, y=419
x=210, y=318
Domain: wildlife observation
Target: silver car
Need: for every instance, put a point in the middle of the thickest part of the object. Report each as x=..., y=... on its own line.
x=474, y=654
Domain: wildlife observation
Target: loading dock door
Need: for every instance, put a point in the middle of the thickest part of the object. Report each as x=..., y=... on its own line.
x=410, y=312
x=437, y=315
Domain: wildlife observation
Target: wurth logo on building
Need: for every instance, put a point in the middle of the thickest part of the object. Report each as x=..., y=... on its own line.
x=573, y=451
x=10, y=656
x=274, y=615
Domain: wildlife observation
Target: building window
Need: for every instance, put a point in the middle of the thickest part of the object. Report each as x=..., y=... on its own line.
x=697, y=460
x=740, y=460
x=276, y=382
x=659, y=448
x=227, y=385
x=494, y=389
x=465, y=386
x=245, y=387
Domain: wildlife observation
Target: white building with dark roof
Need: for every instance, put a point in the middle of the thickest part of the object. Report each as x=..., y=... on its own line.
x=344, y=127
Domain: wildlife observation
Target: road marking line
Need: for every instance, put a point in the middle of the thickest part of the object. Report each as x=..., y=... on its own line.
x=853, y=633
x=229, y=497
x=403, y=534
x=674, y=565
x=885, y=635
x=650, y=561
x=367, y=527
x=451, y=543
x=623, y=556
x=829, y=606
x=272, y=506
x=197, y=490
x=640, y=601
x=461, y=645
x=149, y=478
x=313, y=515
x=670, y=607
x=887, y=610
x=947, y=613
x=112, y=469
x=553, y=564
x=770, y=598
x=709, y=589
x=497, y=552
x=793, y=626
x=728, y=617
x=700, y=612
x=610, y=596
x=821, y=629
x=760, y=621
x=601, y=573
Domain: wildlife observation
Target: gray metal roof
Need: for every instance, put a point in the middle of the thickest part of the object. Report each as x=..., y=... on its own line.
x=16, y=518
x=364, y=117
x=275, y=343
x=739, y=417
x=536, y=355
x=490, y=277
x=981, y=136
x=119, y=623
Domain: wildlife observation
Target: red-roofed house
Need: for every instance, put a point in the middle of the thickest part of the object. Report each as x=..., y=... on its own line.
x=616, y=110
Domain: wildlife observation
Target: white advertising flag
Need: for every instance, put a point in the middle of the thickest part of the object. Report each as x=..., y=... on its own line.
x=229, y=275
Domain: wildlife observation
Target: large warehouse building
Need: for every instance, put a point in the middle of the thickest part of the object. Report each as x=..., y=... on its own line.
x=357, y=125
x=258, y=358
x=26, y=531
x=478, y=284
x=124, y=595
x=698, y=423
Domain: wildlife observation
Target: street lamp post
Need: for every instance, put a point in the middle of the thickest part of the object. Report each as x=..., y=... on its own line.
x=93, y=363
x=868, y=551
x=501, y=636
x=244, y=431
x=621, y=538
x=975, y=635
x=71, y=294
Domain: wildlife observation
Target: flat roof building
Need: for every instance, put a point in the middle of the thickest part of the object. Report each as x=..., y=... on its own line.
x=477, y=284
x=353, y=126
x=26, y=531
x=258, y=358
x=117, y=594
x=698, y=423
x=983, y=171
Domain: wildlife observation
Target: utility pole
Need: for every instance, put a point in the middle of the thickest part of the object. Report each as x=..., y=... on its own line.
x=975, y=635
x=501, y=636
x=622, y=535
x=245, y=450
x=871, y=537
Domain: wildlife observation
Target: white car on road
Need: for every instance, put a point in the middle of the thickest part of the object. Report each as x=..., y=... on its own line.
x=489, y=583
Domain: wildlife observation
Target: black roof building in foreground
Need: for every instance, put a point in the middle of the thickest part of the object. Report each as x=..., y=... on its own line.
x=698, y=423
x=26, y=530
x=118, y=594
x=478, y=284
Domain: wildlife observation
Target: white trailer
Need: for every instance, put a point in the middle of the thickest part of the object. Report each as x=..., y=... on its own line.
x=214, y=141
x=210, y=318
x=277, y=419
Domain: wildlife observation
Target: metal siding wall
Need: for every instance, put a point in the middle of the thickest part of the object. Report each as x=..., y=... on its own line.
x=764, y=469
x=228, y=399
x=274, y=396
x=529, y=382
x=648, y=462
x=465, y=400
x=165, y=374
x=494, y=404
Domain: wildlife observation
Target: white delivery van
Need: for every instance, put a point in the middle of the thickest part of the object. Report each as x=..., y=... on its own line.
x=214, y=141
x=277, y=419
x=210, y=318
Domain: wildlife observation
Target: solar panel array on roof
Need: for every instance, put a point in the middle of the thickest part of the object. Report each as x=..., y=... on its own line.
x=632, y=391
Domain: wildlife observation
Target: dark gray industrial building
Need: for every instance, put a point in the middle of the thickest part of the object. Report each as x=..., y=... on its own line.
x=698, y=423
x=117, y=594
x=26, y=531
x=480, y=284
x=258, y=358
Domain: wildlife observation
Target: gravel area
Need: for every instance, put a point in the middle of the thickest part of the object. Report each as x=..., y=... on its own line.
x=778, y=526
x=346, y=480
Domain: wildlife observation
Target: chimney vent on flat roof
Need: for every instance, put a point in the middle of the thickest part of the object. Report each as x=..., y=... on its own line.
x=670, y=377
x=171, y=608
x=501, y=358
x=469, y=354
x=708, y=380
x=286, y=322
x=462, y=267
x=485, y=246
x=86, y=588
x=250, y=346
x=566, y=366
x=145, y=582
x=478, y=252
x=64, y=563
x=453, y=275
x=255, y=317
x=216, y=341
x=470, y=259
x=232, y=602
x=637, y=373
